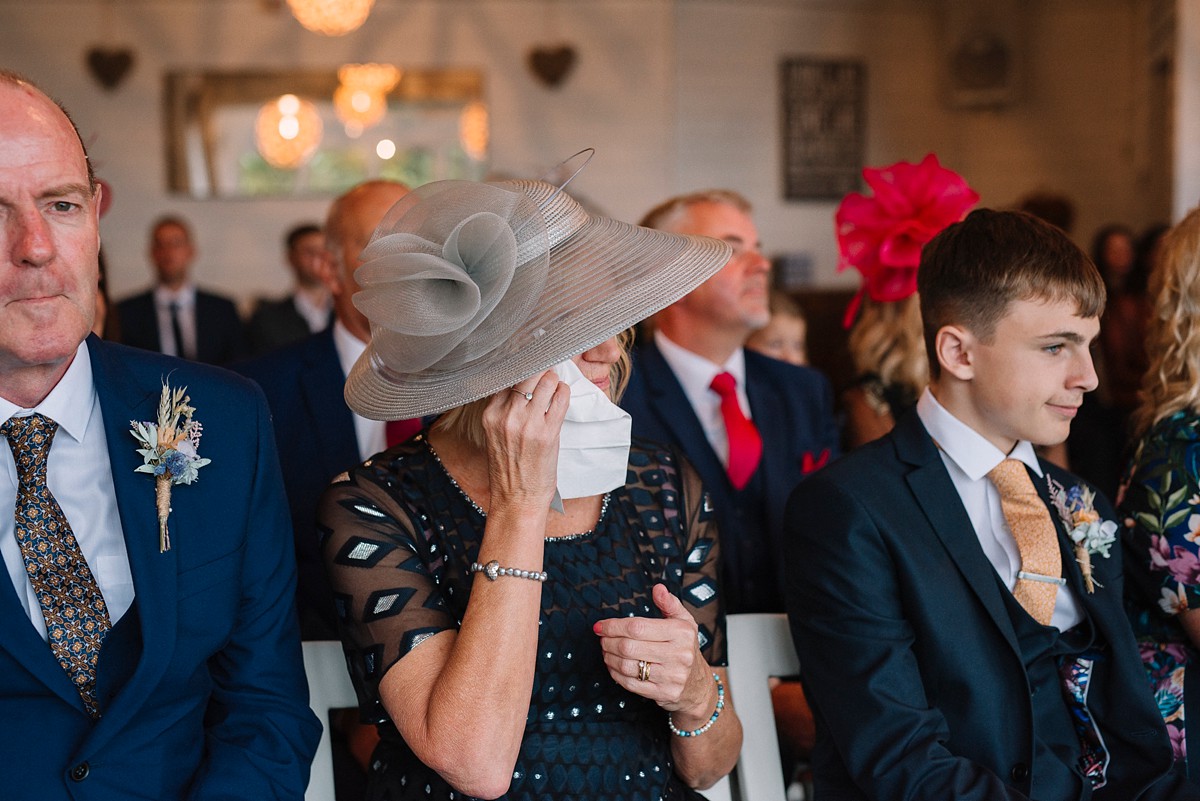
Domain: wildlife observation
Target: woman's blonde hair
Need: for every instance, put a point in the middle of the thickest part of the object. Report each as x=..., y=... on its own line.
x=466, y=421
x=1172, y=383
x=888, y=340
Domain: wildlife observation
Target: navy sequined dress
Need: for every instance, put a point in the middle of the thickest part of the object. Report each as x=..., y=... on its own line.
x=399, y=536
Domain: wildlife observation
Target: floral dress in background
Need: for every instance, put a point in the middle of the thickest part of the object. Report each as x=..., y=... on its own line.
x=1160, y=508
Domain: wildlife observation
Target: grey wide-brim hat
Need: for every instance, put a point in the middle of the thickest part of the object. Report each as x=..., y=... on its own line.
x=473, y=287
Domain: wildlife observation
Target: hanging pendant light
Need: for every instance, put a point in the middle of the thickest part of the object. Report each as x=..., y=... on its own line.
x=473, y=130
x=287, y=131
x=331, y=17
x=360, y=100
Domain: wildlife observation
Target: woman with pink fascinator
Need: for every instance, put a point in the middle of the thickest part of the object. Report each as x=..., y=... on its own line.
x=881, y=236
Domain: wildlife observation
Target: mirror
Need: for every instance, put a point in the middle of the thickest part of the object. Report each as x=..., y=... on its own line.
x=433, y=126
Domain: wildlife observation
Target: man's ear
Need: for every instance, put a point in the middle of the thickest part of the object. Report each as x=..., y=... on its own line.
x=330, y=272
x=955, y=348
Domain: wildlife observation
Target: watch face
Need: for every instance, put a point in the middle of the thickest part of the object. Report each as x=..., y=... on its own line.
x=492, y=570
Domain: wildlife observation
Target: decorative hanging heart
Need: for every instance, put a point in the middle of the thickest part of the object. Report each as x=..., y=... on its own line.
x=550, y=65
x=109, y=66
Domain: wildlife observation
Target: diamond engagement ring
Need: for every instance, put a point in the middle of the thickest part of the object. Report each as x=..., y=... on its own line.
x=527, y=395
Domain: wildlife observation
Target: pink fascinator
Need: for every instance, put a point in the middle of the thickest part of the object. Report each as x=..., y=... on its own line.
x=882, y=236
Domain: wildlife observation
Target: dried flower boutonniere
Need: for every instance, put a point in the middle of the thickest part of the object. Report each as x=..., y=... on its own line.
x=169, y=448
x=1077, y=509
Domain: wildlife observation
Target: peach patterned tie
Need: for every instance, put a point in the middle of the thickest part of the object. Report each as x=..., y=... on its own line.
x=1037, y=539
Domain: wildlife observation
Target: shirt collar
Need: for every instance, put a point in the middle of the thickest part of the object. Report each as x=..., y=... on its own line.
x=348, y=346
x=70, y=403
x=965, y=446
x=184, y=296
x=694, y=369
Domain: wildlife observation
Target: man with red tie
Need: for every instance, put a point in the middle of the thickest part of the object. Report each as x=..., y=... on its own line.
x=751, y=425
x=317, y=434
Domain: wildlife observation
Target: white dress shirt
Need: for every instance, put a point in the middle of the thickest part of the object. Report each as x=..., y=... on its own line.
x=79, y=475
x=185, y=298
x=371, y=434
x=695, y=374
x=969, y=457
x=315, y=315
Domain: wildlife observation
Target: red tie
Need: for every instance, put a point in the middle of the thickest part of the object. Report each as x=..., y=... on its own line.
x=745, y=444
x=398, y=431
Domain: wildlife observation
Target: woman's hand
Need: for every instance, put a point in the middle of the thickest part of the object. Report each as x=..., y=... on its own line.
x=679, y=680
x=522, y=440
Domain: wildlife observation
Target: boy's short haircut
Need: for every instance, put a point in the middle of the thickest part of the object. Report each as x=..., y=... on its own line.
x=973, y=270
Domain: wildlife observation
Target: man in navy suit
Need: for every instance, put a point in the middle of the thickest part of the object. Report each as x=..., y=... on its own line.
x=175, y=317
x=307, y=310
x=162, y=673
x=317, y=434
x=950, y=641
x=670, y=399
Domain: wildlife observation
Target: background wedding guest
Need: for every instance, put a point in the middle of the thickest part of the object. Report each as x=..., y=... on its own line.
x=307, y=309
x=881, y=235
x=752, y=426
x=317, y=434
x=784, y=335
x=503, y=646
x=1162, y=489
x=175, y=317
x=131, y=665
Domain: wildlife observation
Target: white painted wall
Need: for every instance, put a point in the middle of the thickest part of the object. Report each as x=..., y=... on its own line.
x=674, y=95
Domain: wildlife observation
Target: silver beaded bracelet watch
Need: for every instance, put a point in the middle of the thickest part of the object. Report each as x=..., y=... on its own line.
x=493, y=571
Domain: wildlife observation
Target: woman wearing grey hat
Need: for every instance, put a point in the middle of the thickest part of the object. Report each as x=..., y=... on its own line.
x=528, y=602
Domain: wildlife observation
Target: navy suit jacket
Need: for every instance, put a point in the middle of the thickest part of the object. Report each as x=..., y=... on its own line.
x=793, y=409
x=314, y=431
x=213, y=700
x=218, y=327
x=909, y=653
x=276, y=323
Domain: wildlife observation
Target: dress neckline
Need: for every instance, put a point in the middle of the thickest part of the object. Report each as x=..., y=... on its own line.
x=579, y=535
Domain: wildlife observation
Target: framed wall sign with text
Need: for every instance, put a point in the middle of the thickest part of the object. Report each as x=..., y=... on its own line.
x=824, y=127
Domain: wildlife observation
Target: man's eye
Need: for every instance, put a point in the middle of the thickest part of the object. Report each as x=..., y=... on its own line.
x=1052, y=349
x=64, y=205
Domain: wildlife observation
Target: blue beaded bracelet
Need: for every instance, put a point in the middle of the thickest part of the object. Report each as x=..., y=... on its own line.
x=716, y=714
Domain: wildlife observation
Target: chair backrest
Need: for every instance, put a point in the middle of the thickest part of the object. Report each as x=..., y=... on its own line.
x=760, y=646
x=329, y=687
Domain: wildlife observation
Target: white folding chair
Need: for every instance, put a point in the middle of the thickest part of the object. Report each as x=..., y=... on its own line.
x=721, y=791
x=759, y=646
x=329, y=687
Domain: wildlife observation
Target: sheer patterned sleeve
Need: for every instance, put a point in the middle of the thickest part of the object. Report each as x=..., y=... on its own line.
x=701, y=590
x=388, y=599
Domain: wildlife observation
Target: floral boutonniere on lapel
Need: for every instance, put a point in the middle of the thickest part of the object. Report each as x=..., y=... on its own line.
x=169, y=448
x=1077, y=509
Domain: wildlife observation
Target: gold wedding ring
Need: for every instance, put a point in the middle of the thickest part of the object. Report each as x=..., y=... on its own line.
x=643, y=670
x=527, y=395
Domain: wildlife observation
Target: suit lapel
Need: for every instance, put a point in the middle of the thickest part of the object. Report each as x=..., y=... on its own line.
x=767, y=405
x=938, y=498
x=321, y=382
x=670, y=404
x=124, y=397
x=1072, y=571
x=21, y=640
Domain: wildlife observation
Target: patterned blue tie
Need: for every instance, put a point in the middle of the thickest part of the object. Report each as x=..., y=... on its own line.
x=75, y=612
